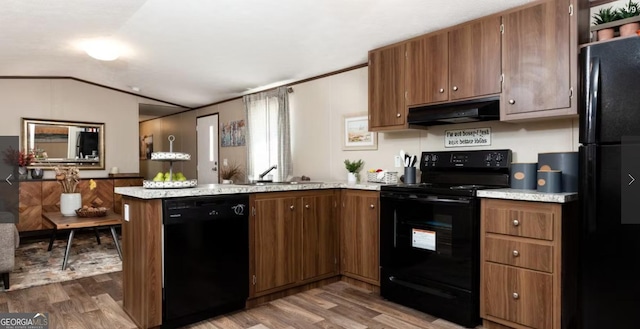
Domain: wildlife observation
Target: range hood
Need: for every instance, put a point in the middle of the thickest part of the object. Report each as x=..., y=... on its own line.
x=483, y=109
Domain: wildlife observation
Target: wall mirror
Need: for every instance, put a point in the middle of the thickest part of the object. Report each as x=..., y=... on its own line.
x=64, y=143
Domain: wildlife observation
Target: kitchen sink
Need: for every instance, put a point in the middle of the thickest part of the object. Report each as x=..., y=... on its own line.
x=278, y=183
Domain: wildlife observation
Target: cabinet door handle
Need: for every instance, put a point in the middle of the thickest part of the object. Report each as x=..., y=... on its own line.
x=515, y=295
x=372, y=206
x=512, y=101
x=455, y=88
x=516, y=222
x=441, y=90
x=516, y=253
x=398, y=115
x=306, y=206
x=292, y=207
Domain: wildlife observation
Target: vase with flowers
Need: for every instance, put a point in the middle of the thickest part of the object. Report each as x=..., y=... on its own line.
x=70, y=198
x=22, y=159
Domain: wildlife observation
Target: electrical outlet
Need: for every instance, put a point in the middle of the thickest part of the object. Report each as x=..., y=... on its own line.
x=398, y=161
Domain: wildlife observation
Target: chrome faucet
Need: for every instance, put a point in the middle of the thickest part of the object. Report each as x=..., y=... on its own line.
x=267, y=171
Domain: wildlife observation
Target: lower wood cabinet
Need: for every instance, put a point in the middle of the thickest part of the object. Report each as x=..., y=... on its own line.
x=359, y=235
x=293, y=239
x=528, y=273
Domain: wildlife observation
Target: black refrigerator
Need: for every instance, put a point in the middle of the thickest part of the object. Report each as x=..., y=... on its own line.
x=609, y=244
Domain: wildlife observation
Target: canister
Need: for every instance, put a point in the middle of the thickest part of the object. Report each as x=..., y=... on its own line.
x=523, y=176
x=567, y=162
x=549, y=181
x=409, y=175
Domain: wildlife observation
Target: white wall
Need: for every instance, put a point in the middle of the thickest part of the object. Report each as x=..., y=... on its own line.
x=67, y=99
x=318, y=108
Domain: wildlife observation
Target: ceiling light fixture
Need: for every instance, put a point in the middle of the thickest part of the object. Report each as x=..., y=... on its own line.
x=102, y=49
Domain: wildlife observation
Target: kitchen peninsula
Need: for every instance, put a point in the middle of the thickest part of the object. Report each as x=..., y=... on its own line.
x=301, y=218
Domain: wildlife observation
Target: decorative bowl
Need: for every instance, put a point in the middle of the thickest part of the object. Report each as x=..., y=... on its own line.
x=91, y=212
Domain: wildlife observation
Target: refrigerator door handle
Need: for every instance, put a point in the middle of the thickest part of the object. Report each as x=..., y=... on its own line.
x=591, y=187
x=592, y=87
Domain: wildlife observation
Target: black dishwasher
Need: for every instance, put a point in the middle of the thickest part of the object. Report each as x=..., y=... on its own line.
x=205, y=257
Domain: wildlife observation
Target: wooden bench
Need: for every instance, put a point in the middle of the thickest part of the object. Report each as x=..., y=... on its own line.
x=61, y=222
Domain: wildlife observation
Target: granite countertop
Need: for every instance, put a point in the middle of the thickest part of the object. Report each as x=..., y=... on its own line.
x=219, y=189
x=528, y=195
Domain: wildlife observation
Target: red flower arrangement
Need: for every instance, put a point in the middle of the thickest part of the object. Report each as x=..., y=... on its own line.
x=13, y=157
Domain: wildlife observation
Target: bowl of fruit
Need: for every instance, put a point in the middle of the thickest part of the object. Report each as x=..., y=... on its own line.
x=91, y=211
x=169, y=180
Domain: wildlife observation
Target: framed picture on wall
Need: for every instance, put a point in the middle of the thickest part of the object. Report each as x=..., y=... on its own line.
x=356, y=134
x=146, y=147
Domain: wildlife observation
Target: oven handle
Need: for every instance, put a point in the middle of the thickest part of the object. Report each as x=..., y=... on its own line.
x=414, y=197
x=420, y=288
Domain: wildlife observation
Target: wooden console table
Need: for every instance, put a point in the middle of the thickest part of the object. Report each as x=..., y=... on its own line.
x=73, y=223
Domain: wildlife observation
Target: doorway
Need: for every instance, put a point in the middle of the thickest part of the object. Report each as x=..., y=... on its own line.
x=207, y=134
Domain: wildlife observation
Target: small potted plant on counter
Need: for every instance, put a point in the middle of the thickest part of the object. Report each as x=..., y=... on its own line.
x=230, y=172
x=353, y=168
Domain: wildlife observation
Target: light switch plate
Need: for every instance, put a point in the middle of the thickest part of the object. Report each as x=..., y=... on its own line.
x=397, y=161
x=225, y=162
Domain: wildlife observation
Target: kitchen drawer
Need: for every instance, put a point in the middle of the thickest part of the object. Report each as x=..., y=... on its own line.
x=518, y=295
x=519, y=218
x=507, y=251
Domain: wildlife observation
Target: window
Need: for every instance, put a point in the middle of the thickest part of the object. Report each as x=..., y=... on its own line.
x=268, y=141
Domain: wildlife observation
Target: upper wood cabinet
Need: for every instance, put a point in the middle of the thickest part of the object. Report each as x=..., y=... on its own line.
x=474, y=59
x=540, y=43
x=427, y=78
x=387, y=110
x=462, y=62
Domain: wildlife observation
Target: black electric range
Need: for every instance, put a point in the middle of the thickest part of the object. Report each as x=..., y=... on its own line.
x=430, y=233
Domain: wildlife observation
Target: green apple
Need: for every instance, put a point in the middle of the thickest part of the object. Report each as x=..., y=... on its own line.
x=159, y=177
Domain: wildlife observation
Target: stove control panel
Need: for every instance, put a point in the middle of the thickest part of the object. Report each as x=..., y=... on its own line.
x=466, y=159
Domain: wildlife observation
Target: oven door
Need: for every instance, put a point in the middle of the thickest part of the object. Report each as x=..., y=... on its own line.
x=426, y=239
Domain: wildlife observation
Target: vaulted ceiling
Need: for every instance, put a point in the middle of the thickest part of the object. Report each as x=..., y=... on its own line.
x=197, y=52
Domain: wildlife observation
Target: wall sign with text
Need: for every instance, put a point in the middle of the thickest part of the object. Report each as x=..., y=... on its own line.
x=467, y=137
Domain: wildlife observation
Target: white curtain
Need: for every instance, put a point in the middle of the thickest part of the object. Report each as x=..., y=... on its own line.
x=268, y=134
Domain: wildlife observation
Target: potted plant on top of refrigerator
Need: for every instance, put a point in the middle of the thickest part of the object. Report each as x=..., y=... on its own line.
x=603, y=16
x=631, y=9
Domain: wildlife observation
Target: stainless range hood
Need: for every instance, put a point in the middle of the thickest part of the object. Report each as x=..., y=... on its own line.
x=483, y=109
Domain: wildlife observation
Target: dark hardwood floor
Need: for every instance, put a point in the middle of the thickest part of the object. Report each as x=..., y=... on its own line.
x=96, y=302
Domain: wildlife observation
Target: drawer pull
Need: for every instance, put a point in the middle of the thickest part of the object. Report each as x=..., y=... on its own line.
x=372, y=206
x=515, y=295
x=441, y=90
x=292, y=207
x=516, y=222
x=306, y=206
x=516, y=253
